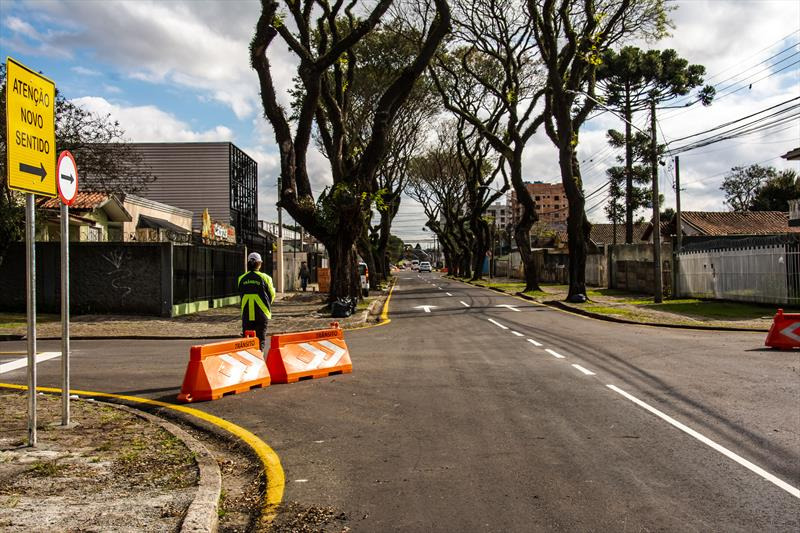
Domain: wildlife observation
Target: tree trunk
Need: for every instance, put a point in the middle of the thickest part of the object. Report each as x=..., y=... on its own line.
x=480, y=228
x=578, y=226
x=364, y=247
x=344, y=266
x=522, y=230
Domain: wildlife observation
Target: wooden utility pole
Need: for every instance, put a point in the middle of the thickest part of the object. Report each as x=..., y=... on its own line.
x=658, y=282
x=678, y=232
x=676, y=249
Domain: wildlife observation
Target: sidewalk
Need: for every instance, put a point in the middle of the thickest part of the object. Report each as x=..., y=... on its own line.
x=292, y=311
x=621, y=306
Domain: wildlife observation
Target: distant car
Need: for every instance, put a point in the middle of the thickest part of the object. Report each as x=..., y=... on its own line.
x=363, y=273
x=424, y=266
x=414, y=264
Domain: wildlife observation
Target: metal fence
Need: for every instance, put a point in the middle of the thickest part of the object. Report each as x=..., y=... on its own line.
x=205, y=272
x=759, y=274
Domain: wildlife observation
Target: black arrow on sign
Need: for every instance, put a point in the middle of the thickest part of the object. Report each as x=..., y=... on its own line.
x=67, y=177
x=36, y=171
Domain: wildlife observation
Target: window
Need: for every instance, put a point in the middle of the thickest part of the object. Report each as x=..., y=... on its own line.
x=555, y=197
x=537, y=198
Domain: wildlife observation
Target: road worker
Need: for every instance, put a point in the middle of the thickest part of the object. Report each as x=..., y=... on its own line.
x=257, y=293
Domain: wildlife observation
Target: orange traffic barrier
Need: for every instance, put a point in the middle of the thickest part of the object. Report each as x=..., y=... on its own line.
x=785, y=331
x=221, y=368
x=308, y=354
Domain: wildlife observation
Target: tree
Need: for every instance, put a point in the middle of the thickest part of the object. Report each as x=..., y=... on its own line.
x=640, y=195
x=742, y=183
x=489, y=78
x=775, y=193
x=436, y=180
x=406, y=137
x=106, y=161
x=572, y=36
x=395, y=248
x=327, y=55
x=630, y=80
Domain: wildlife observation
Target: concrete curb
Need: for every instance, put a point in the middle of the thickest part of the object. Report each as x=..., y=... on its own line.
x=564, y=307
x=574, y=310
x=201, y=516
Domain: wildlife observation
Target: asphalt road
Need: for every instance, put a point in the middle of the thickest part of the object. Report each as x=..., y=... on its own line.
x=450, y=422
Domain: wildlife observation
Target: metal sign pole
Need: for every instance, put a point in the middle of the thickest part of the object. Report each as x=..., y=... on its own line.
x=30, y=282
x=64, y=314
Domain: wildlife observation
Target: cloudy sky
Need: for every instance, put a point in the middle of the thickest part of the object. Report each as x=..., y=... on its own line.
x=178, y=71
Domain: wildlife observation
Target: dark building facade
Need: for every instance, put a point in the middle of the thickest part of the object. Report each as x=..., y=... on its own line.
x=217, y=176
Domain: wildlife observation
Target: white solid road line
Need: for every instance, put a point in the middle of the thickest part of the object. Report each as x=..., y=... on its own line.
x=584, y=370
x=447, y=293
x=794, y=491
x=534, y=342
x=517, y=333
x=22, y=363
x=496, y=323
x=465, y=304
x=554, y=353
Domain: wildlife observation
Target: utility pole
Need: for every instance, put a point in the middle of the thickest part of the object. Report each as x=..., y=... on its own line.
x=678, y=231
x=279, y=285
x=658, y=288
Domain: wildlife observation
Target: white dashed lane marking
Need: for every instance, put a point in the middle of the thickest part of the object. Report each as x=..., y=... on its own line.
x=554, y=353
x=496, y=323
x=534, y=342
x=584, y=370
x=517, y=333
x=465, y=304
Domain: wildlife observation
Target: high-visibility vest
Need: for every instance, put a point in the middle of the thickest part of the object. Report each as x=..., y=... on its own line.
x=257, y=294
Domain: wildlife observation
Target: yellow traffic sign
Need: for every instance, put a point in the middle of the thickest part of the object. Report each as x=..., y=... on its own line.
x=30, y=129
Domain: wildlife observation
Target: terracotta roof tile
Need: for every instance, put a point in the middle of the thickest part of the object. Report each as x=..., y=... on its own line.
x=604, y=233
x=739, y=223
x=84, y=201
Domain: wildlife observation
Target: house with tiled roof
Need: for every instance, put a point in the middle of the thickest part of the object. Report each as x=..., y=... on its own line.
x=604, y=233
x=727, y=223
x=93, y=217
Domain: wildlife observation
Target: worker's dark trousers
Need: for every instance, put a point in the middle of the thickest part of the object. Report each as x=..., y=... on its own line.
x=261, y=331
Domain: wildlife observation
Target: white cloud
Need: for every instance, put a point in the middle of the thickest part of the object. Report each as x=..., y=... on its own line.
x=151, y=124
x=83, y=71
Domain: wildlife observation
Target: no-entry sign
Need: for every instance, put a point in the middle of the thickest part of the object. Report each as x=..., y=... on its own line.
x=30, y=140
x=67, y=177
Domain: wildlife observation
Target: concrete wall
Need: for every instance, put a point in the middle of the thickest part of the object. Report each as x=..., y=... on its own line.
x=113, y=278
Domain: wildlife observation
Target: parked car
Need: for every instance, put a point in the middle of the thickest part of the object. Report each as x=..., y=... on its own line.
x=425, y=266
x=414, y=264
x=363, y=273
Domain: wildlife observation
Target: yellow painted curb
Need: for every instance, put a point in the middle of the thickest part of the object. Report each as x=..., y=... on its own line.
x=384, y=313
x=269, y=459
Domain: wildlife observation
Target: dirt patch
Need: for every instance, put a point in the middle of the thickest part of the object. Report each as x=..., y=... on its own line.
x=296, y=518
x=110, y=471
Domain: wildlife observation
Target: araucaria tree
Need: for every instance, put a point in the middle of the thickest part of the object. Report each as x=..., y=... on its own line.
x=630, y=80
x=324, y=38
x=572, y=36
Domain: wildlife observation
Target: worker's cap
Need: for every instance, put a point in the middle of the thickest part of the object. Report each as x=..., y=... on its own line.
x=255, y=256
